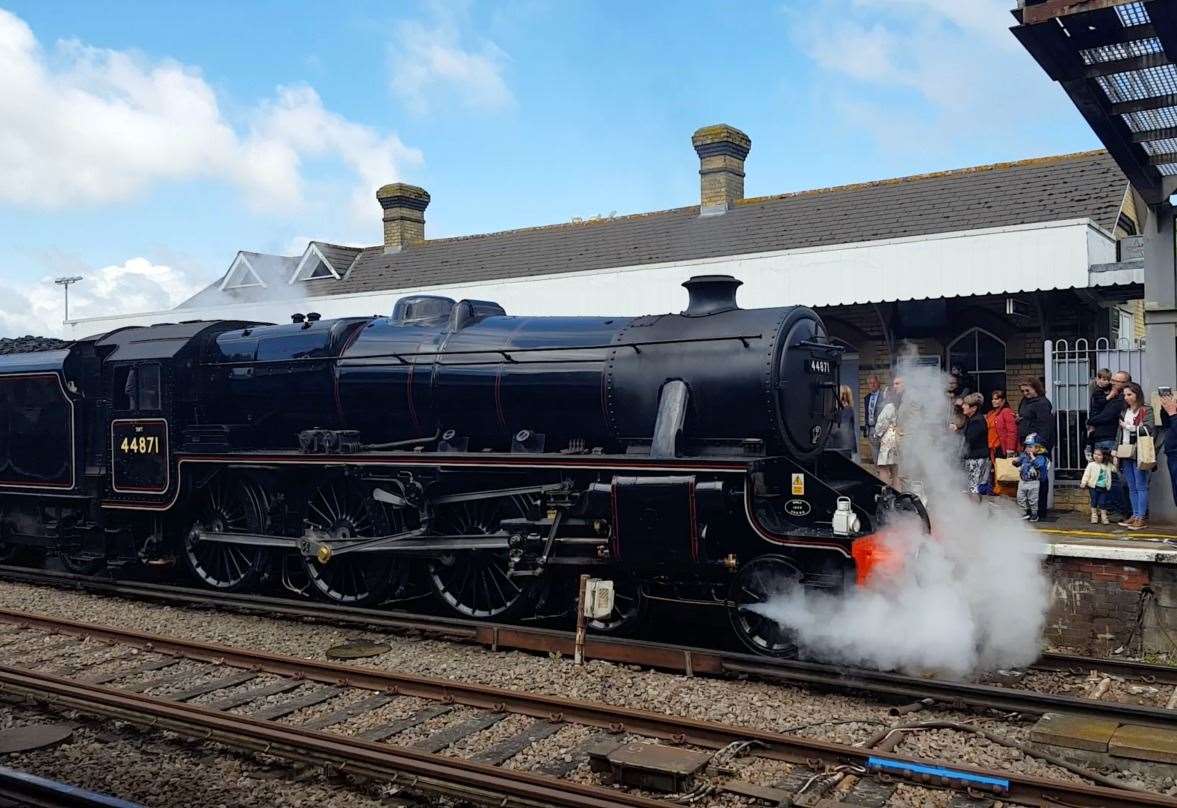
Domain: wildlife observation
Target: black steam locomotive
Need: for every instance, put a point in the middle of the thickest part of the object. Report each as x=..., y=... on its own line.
x=451, y=447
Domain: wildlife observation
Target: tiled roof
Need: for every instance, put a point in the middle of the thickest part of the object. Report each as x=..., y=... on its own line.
x=1074, y=186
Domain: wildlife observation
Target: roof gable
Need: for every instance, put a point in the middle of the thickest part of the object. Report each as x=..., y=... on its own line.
x=241, y=275
x=323, y=261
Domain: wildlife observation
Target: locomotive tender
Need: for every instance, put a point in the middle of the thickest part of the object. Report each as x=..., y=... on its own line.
x=450, y=447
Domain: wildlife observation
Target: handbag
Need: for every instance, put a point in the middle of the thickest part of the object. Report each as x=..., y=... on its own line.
x=1146, y=451
x=1005, y=470
x=1126, y=451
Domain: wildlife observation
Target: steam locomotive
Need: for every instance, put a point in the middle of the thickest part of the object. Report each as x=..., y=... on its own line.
x=451, y=448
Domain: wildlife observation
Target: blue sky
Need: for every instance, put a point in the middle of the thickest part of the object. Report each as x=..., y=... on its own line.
x=143, y=144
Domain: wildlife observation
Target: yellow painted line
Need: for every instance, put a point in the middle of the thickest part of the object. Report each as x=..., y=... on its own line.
x=1098, y=535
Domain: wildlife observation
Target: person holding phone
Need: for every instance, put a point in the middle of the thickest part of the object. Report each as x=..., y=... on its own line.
x=1169, y=423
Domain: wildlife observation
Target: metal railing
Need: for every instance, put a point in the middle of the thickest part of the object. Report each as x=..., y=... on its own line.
x=1070, y=365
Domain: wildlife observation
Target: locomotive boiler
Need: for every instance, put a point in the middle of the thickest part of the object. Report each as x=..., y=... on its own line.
x=722, y=376
x=453, y=449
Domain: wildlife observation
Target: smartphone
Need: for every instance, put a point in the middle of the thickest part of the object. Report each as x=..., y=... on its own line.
x=1164, y=391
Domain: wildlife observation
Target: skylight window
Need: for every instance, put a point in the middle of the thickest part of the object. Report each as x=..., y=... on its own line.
x=241, y=275
x=314, y=266
x=320, y=270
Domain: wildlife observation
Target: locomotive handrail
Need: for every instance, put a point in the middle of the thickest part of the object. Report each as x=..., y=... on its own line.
x=504, y=352
x=825, y=346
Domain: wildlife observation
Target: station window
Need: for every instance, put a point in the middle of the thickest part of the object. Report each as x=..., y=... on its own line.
x=982, y=356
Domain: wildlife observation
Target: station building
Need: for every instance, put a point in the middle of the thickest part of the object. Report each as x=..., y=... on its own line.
x=994, y=268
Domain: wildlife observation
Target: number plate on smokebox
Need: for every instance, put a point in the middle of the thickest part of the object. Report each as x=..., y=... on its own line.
x=820, y=366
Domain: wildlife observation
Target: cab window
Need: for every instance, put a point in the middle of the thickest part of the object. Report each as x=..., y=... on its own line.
x=137, y=388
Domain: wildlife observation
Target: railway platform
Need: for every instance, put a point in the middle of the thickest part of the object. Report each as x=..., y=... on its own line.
x=1112, y=590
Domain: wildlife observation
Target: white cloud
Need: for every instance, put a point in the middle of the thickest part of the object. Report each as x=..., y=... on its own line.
x=914, y=65
x=136, y=285
x=83, y=125
x=430, y=65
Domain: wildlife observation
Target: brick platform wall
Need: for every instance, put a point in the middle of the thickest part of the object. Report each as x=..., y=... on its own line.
x=1098, y=605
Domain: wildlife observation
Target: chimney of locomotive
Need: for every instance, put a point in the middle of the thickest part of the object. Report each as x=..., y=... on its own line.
x=711, y=294
x=721, y=149
x=404, y=215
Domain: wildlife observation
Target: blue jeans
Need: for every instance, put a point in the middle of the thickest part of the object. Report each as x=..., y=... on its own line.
x=1171, y=459
x=1137, y=486
x=1100, y=498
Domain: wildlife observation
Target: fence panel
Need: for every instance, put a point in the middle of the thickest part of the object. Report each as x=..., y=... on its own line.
x=1070, y=367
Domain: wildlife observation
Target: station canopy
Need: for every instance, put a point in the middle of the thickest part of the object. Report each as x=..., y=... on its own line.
x=1117, y=60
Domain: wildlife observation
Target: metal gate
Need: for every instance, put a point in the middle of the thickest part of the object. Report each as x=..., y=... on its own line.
x=1070, y=366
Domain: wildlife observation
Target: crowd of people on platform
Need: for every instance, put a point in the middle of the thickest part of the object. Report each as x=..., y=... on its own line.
x=1000, y=445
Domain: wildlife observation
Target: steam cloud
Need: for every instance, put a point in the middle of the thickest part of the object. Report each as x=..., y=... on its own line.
x=971, y=597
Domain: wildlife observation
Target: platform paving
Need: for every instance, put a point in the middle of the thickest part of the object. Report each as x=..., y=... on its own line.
x=1144, y=743
x=1075, y=731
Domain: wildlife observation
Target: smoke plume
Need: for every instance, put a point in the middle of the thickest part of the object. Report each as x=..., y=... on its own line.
x=970, y=598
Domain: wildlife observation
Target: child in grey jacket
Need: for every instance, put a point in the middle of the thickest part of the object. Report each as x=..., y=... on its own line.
x=1032, y=469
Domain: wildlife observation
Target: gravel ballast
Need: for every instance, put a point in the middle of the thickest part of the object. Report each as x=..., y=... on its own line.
x=833, y=717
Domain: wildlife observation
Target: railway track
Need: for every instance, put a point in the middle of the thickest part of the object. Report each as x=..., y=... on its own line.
x=22, y=790
x=419, y=741
x=673, y=658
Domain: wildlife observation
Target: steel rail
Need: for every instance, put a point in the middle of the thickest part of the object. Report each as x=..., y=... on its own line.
x=672, y=658
x=25, y=789
x=430, y=772
x=1145, y=671
x=711, y=735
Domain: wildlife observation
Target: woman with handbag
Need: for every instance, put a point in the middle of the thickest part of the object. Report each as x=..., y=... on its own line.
x=1135, y=453
x=1003, y=443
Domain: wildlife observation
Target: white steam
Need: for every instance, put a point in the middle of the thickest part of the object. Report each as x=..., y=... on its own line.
x=970, y=598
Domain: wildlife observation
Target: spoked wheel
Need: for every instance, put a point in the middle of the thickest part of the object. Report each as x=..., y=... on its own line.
x=758, y=582
x=227, y=505
x=629, y=610
x=342, y=509
x=475, y=583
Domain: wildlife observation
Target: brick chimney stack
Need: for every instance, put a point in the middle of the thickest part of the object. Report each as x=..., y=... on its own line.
x=721, y=149
x=404, y=215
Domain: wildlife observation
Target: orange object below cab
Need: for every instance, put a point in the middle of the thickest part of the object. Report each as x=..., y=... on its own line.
x=872, y=557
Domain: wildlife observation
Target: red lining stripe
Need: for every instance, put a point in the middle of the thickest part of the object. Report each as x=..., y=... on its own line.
x=615, y=537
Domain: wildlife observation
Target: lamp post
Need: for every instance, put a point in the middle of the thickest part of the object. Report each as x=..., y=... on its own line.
x=65, y=282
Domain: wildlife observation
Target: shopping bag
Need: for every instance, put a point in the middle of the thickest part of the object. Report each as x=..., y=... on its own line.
x=1005, y=470
x=1146, y=452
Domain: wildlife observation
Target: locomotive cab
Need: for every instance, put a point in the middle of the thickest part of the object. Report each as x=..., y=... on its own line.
x=139, y=427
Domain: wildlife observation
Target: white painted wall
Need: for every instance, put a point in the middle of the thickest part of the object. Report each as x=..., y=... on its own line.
x=978, y=262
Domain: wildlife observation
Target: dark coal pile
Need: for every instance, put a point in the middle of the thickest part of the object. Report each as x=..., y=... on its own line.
x=29, y=343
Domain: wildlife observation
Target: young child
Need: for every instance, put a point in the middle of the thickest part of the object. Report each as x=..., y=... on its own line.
x=1098, y=477
x=1032, y=468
